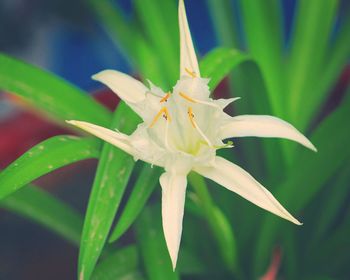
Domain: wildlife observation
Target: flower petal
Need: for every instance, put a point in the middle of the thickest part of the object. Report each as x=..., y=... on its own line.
x=262, y=126
x=125, y=86
x=188, y=59
x=241, y=182
x=115, y=138
x=173, y=203
x=224, y=102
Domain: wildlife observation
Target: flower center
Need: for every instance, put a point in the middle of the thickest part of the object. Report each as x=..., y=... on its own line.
x=193, y=137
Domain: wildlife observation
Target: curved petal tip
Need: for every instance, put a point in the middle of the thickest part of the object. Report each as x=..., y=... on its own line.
x=125, y=86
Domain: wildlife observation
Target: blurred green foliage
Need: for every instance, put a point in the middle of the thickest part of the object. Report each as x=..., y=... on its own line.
x=224, y=236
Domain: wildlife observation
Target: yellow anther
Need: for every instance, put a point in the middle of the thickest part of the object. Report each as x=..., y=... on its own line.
x=165, y=98
x=191, y=73
x=187, y=97
x=164, y=111
x=191, y=116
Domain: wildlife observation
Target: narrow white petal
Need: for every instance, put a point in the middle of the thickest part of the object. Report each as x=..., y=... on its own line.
x=115, y=138
x=263, y=126
x=188, y=59
x=223, y=102
x=173, y=202
x=241, y=182
x=125, y=86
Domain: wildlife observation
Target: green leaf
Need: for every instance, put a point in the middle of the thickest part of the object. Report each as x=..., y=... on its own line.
x=112, y=175
x=246, y=81
x=45, y=209
x=189, y=263
x=224, y=23
x=217, y=64
x=159, y=21
x=336, y=244
x=292, y=259
x=122, y=264
x=309, y=42
x=137, y=50
x=49, y=93
x=335, y=198
x=150, y=237
x=335, y=61
x=45, y=157
x=219, y=225
x=332, y=153
x=142, y=190
x=117, y=27
x=262, y=24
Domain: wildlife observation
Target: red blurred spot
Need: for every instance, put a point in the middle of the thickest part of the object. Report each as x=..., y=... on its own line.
x=272, y=271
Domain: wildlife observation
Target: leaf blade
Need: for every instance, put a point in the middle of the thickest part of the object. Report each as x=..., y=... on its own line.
x=218, y=223
x=45, y=157
x=151, y=241
x=312, y=164
x=262, y=24
x=45, y=209
x=122, y=264
x=313, y=25
x=219, y=63
x=49, y=93
x=142, y=190
x=106, y=194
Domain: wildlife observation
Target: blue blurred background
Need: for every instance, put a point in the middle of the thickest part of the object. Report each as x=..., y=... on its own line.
x=63, y=36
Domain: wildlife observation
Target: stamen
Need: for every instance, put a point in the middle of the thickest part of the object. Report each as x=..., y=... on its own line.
x=187, y=97
x=165, y=98
x=165, y=113
x=191, y=116
x=193, y=100
x=191, y=73
x=194, y=124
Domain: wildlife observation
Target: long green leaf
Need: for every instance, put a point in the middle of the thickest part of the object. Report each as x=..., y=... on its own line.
x=309, y=42
x=142, y=190
x=122, y=264
x=159, y=21
x=218, y=223
x=217, y=64
x=45, y=157
x=246, y=81
x=338, y=54
x=45, y=209
x=338, y=188
x=111, y=179
x=117, y=26
x=262, y=25
x=189, y=263
x=149, y=234
x=136, y=48
x=49, y=93
x=332, y=153
x=224, y=23
x=337, y=245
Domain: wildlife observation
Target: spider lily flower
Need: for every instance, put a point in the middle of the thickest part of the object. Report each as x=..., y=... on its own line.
x=182, y=130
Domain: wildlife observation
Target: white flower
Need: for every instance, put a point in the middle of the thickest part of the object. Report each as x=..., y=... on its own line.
x=182, y=130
